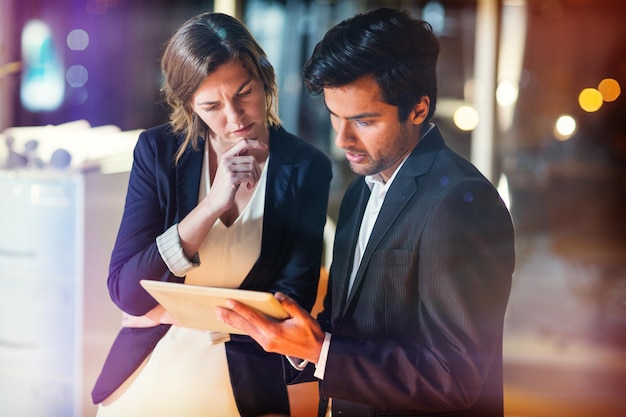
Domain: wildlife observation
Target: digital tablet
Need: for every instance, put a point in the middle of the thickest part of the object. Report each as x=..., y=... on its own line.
x=194, y=306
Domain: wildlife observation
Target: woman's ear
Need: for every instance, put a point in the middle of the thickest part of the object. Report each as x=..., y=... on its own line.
x=420, y=111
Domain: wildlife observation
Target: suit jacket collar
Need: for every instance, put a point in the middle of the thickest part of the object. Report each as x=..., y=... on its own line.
x=403, y=188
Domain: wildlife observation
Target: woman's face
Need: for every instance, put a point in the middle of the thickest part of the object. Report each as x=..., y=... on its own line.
x=232, y=104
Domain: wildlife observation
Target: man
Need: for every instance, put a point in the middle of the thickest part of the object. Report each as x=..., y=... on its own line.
x=424, y=247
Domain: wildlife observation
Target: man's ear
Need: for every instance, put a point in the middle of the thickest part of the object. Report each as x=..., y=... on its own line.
x=420, y=111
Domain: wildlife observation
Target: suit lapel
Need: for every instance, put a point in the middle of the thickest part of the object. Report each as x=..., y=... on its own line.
x=345, y=244
x=401, y=191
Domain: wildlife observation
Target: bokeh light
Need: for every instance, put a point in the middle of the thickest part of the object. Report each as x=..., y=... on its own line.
x=564, y=127
x=590, y=100
x=466, y=118
x=76, y=76
x=506, y=93
x=610, y=89
x=435, y=14
x=77, y=40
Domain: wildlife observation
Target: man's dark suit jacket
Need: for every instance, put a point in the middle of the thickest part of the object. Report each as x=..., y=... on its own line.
x=161, y=194
x=420, y=334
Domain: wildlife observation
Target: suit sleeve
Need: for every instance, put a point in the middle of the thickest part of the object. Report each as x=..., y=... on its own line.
x=461, y=265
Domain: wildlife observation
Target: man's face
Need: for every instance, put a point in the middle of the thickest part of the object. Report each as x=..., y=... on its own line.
x=368, y=129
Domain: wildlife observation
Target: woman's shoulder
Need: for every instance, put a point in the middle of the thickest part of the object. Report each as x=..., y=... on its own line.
x=160, y=137
x=163, y=132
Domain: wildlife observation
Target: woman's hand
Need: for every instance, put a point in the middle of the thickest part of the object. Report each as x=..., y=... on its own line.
x=237, y=166
x=158, y=315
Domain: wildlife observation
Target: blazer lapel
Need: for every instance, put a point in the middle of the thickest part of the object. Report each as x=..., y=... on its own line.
x=279, y=197
x=188, y=173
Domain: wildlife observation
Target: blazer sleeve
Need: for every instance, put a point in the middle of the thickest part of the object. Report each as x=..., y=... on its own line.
x=461, y=269
x=135, y=254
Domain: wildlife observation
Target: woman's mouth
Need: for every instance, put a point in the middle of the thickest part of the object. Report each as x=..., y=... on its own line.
x=244, y=130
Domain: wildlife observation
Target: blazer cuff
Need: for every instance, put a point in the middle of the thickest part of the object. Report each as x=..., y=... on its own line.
x=172, y=252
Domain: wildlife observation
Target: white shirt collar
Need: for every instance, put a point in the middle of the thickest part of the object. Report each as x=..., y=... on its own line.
x=370, y=180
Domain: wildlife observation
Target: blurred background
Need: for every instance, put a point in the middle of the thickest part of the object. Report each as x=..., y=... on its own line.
x=529, y=90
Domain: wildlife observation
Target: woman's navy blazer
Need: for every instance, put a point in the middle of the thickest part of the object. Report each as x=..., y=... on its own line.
x=160, y=194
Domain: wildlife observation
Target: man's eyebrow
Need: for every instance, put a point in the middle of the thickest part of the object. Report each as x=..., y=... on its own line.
x=366, y=115
x=244, y=85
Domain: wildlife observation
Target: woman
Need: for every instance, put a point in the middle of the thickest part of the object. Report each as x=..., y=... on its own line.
x=220, y=196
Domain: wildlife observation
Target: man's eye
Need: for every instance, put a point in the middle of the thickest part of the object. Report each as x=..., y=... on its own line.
x=363, y=123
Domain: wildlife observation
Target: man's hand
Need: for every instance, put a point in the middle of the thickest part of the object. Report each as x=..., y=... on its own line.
x=298, y=336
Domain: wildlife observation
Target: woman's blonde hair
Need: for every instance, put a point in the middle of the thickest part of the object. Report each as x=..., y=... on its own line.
x=198, y=48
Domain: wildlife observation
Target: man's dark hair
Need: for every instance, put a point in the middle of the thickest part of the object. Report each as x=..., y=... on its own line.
x=399, y=51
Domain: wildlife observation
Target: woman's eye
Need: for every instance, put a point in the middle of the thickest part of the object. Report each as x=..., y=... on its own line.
x=244, y=93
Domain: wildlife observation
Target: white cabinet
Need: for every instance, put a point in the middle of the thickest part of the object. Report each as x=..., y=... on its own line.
x=56, y=319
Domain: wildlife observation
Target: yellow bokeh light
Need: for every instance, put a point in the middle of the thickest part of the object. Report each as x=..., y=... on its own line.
x=590, y=100
x=610, y=89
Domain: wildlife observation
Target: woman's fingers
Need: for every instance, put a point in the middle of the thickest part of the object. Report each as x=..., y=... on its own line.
x=242, y=166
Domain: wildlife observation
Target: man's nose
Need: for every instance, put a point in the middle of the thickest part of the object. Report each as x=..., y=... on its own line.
x=343, y=135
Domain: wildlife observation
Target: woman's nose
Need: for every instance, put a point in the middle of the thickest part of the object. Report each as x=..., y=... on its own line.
x=234, y=113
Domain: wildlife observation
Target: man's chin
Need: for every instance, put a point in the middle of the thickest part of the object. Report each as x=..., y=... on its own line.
x=362, y=169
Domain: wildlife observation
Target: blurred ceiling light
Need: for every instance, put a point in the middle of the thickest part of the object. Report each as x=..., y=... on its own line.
x=435, y=14
x=506, y=93
x=610, y=89
x=510, y=73
x=466, y=118
x=590, y=100
x=564, y=127
x=77, y=40
x=43, y=84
